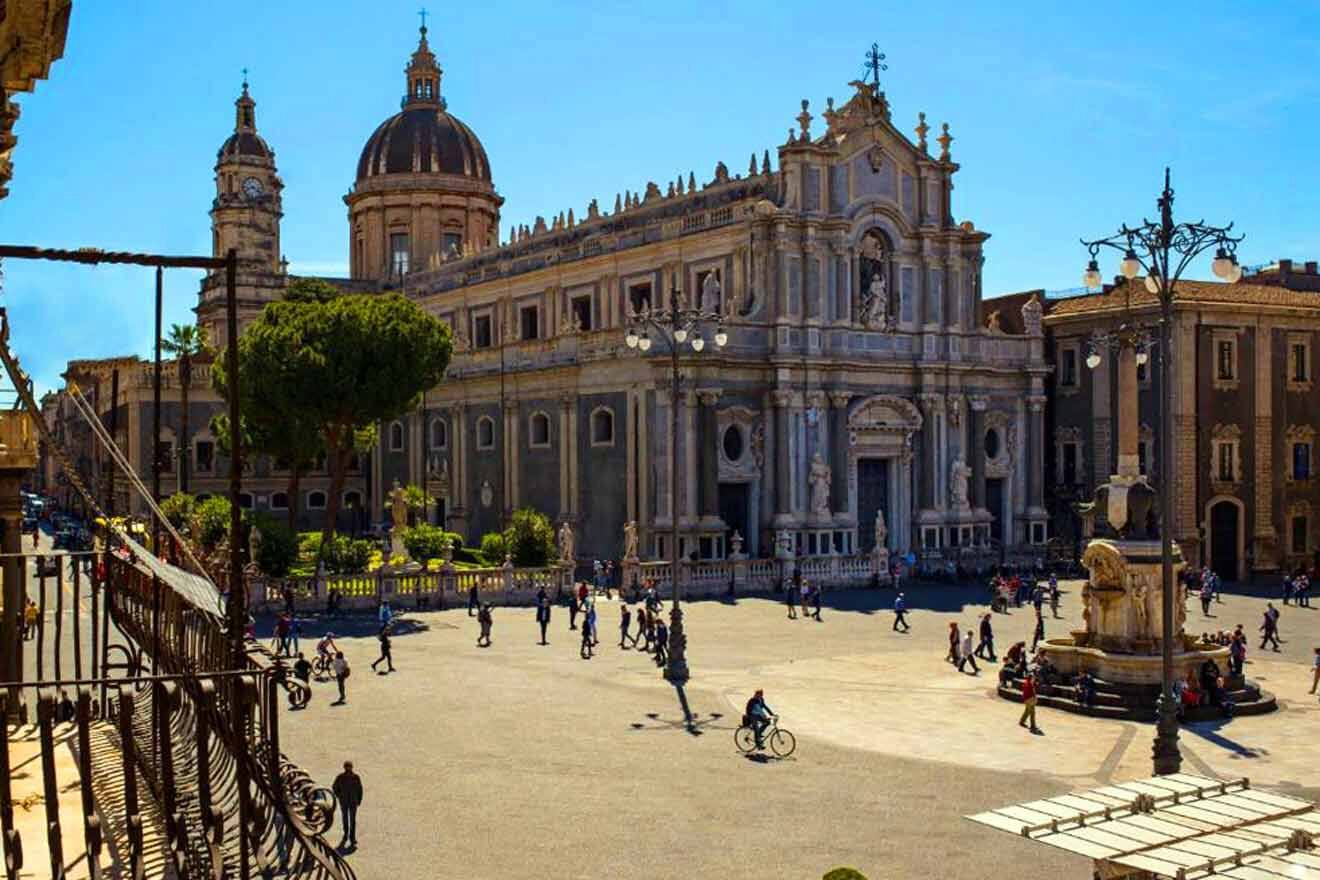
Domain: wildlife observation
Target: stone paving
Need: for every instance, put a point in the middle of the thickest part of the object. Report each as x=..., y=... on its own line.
x=522, y=760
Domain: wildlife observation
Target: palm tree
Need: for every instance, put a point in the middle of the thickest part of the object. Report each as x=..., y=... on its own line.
x=185, y=342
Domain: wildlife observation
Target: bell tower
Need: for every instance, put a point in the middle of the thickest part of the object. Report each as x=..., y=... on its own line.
x=245, y=216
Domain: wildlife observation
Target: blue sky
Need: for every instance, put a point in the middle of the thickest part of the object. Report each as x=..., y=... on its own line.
x=1064, y=116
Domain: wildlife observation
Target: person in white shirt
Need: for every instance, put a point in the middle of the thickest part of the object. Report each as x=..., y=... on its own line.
x=968, y=654
x=341, y=675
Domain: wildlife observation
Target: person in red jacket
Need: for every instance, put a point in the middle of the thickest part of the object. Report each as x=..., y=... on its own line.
x=1029, y=703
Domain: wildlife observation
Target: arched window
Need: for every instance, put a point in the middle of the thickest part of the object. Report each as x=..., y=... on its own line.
x=538, y=435
x=316, y=500
x=396, y=436
x=602, y=427
x=279, y=501
x=439, y=434
x=352, y=498
x=485, y=433
x=245, y=500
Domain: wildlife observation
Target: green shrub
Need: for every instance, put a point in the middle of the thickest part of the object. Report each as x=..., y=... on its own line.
x=844, y=874
x=279, y=545
x=179, y=509
x=425, y=542
x=530, y=538
x=348, y=556
x=210, y=521
x=494, y=547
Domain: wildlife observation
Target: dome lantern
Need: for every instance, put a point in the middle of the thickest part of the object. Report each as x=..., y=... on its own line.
x=423, y=75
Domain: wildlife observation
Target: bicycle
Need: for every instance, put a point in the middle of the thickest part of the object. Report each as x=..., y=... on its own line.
x=324, y=665
x=781, y=741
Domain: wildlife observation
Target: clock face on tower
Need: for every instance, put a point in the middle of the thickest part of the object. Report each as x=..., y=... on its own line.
x=252, y=187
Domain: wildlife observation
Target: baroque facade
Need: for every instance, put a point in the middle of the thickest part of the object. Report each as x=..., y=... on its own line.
x=1244, y=404
x=859, y=378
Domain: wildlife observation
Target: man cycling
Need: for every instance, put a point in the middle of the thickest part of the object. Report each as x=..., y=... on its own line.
x=326, y=647
x=758, y=716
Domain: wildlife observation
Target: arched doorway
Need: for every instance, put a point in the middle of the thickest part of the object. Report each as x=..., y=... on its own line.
x=1225, y=538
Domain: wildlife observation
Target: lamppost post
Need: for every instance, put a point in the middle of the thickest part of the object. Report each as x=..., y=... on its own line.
x=1164, y=250
x=674, y=325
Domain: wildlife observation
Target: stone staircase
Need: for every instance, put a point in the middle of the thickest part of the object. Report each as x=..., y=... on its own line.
x=1130, y=702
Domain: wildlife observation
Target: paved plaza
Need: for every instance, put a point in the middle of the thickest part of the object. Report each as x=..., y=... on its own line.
x=523, y=760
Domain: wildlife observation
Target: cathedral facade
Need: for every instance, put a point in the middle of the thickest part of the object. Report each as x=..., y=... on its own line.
x=858, y=379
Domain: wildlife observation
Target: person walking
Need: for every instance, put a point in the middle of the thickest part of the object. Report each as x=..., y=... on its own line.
x=590, y=620
x=1270, y=626
x=543, y=616
x=348, y=791
x=1039, y=635
x=986, y=648
x=31, y=614
x=900, y=614
x=342, y=671
x=384, y=638
x=661, y=643
x=282, y=629
x=473, y=604
x=804, y=590
x=585, y=650
x=625, y=620
x=815, y=602
x=642, y=640
x=1315, y=671
x=1054, y=596
x=1029, y=704
x=790, y=599
x=484, y=620
x=572, y=609
x=968, y=655
x=954, y=643
x=1206, y=596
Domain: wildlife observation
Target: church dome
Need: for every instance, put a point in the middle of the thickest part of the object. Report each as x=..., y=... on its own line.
x=423, y=139
x=244, y=143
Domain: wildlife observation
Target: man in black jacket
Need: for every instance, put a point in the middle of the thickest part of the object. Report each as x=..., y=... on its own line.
x=986, y=649
x=348, y=791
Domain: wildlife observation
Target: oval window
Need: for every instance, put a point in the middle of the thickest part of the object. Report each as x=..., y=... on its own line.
x=992, y=443
x=733, y=443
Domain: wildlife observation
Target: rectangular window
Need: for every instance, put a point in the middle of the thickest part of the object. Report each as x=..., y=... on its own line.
x=639, y=297
x=1299, y=529
x=1070, y=463
x=1301, y=461
x=398, y=254
x=451, y=245
x=529, y=322
x=1224, y=356
x=582, y=311
x=1068, y=368
x=205, y=456
x=166, y=457
x=1300, y=371
x=481, y=332
x=1226, y=470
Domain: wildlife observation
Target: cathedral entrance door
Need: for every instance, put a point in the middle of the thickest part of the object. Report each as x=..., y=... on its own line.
x=735, y=510
x=872, y=496
x=994, y=502
x=1224, y=527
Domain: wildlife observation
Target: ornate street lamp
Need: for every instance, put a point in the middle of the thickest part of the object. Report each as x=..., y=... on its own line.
x=1163, y=250
x=677, y=325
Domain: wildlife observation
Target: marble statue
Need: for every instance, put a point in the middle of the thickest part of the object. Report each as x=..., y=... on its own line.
x=398, y=507
x=992, y=323
x=1140, y=593
x=736, y=545
x=881, y=530
x=710, y=293
x=875, y=305
x=783, y=543
x=958, y=474
x=630, y=539
x=819, y=480
x=566, y=548
x=254, y=544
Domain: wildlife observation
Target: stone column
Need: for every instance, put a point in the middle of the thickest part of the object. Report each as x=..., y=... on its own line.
x=1036, y=453
x=709, y=454
x=930, y=409
x=1128, y=463
x=976, y=450
x=690, y=501
x=840, y=500
x=781, y=401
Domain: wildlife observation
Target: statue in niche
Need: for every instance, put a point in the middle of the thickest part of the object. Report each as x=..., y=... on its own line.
x=875, y=304
x=819, y=480
x=958, y=474
x=710, y=293
x=630, y=540
x=871, y=262
x=1140, y=592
